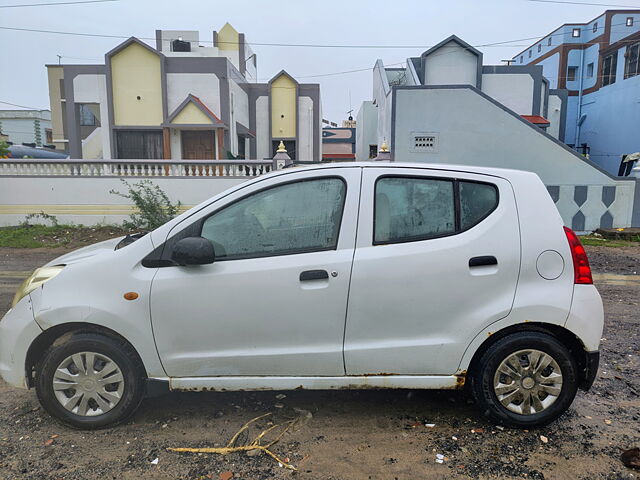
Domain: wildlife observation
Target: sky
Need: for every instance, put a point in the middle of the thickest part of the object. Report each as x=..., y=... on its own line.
x=419, y=24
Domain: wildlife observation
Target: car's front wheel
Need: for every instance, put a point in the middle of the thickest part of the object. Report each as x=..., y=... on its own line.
x=90, y=380
x=525, y=379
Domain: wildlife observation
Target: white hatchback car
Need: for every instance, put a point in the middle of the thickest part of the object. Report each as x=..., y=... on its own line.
x=352, y=275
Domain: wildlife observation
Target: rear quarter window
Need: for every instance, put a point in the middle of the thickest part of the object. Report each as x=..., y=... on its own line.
x=477, y=201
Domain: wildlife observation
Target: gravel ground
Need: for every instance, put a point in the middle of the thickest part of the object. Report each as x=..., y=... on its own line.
x=345, y=434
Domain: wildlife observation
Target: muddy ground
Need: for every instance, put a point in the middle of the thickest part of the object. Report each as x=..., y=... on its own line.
x=345, y=435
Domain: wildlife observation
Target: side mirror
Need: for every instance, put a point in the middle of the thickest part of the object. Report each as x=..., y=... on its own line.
x=193, y=251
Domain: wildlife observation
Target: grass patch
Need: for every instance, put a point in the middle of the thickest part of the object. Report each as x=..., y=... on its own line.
x=594, y=241
x=43, y=236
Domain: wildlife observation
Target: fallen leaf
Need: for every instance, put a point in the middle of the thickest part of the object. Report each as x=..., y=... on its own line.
x=48, y=442
x=226, y=475
x=544, y=439
x=607, y=421
x=477, y=430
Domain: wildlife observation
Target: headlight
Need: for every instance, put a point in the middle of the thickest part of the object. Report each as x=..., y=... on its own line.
x=37, y=278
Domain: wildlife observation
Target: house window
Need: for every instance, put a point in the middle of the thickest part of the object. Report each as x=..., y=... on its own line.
x=529, y=53
x=609, y=65
x=575, y=33
x=631, y=63
x=539, y=47
x=521, y=58
x=139, y=144
x=572, y=72
x=595, y=27
x=629, y=22
x=373, y=151
x=549, y=41
x=88, y=114
x=590, y=70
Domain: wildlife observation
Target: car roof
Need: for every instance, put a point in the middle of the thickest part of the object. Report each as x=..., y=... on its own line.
x=493, y=171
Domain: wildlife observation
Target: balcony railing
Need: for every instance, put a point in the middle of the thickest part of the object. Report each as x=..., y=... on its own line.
x=25, y=167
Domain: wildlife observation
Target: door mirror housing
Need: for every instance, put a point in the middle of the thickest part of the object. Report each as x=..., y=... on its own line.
x=193, y=251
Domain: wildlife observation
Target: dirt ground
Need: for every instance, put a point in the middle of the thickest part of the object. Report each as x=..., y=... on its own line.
x=345, y=435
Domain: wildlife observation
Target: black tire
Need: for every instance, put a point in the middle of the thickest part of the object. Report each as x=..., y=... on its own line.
x=483, y=379
x=118, y=351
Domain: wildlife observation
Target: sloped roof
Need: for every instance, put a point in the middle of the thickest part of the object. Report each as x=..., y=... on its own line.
x=199, y=104
x=456, y=39
x=129, y=41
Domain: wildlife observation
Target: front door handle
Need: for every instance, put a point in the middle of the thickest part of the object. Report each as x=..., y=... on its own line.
x=483, y=261
x=314, y=275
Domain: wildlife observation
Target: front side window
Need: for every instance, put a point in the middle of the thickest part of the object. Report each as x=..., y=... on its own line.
x=572, y=73
x=629, y=22
x=609, y=65
x=293, y=218
x=575, y=33
x=590, y=70
x=631, y=64
x=410, y=209
x=595, y=27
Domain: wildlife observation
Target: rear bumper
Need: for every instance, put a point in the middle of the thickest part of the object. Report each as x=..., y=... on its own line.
x=590, y=370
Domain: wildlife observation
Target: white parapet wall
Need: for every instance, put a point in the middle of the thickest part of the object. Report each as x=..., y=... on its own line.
x=77, y=192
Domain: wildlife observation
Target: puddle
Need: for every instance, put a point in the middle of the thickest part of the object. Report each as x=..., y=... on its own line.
x=616, y=279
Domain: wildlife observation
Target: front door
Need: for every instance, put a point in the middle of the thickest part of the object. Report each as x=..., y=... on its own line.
x=274, y=301
x=198, y=145
x=437, y=260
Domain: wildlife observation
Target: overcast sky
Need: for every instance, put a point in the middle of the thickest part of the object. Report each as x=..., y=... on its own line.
x=349, y=22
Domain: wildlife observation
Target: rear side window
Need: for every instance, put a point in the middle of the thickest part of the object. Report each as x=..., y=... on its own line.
x=413, y=209
x=477, y=200
x=410, y=209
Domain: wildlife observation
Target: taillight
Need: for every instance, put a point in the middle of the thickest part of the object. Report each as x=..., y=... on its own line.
x=581, y=268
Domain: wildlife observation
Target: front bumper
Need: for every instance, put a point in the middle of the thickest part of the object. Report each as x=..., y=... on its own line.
x=18, y=329
x=589, y=370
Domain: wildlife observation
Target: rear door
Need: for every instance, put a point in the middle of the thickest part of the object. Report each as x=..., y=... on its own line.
x=437, y=260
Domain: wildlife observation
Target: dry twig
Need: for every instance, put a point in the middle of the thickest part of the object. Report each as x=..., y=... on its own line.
x=254, y=445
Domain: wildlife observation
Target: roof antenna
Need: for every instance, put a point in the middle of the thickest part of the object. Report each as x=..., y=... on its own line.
x=59, y=59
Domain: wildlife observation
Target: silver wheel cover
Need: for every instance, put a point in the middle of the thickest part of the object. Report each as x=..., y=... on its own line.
x=88, y=384
x=527, y=382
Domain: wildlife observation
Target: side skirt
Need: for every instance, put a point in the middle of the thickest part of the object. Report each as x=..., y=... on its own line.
x=221, y=384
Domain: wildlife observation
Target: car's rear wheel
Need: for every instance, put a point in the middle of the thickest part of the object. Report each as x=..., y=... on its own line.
x=525, y=379
x=90, y=380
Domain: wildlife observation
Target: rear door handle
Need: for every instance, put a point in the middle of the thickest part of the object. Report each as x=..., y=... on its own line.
x=483, y=261
x=314, y=275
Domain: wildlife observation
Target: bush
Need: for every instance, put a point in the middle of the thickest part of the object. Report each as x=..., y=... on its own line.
x=44, y=217
x=153, y=205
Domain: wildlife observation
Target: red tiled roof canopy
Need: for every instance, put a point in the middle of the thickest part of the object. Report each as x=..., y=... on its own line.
x=537, y=120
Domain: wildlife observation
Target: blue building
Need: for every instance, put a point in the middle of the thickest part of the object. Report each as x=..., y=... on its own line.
x=598, y=64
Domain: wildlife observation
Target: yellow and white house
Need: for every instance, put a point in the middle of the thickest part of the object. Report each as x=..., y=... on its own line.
x=182, y=100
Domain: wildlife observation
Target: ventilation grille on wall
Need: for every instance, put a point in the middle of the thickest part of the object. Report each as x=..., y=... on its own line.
x=424, y=142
